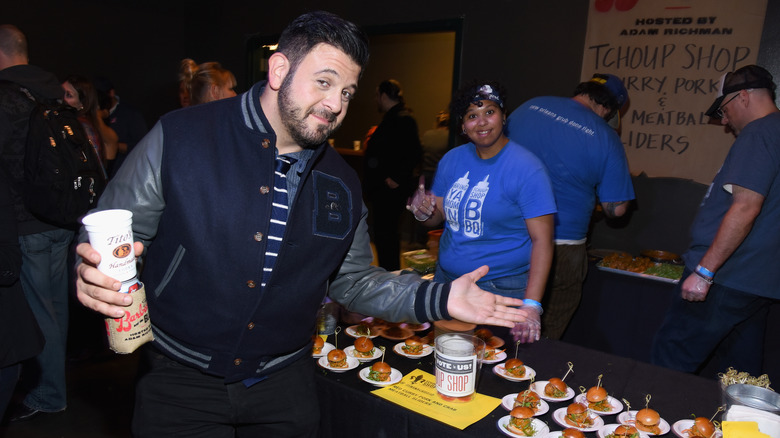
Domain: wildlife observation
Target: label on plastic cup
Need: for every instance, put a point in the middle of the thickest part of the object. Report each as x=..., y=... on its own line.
x=456, y=376
x=111, y=234
x=457, y=364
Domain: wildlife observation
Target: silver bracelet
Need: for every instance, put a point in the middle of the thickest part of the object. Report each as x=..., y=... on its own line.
x=707, y=280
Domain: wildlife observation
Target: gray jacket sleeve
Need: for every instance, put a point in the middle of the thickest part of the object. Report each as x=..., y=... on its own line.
x=395, y=297
x=137, y=187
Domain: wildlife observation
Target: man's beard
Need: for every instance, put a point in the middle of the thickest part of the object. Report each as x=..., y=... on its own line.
x=294, y=119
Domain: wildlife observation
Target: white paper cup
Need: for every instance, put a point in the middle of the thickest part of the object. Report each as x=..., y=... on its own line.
x=111, y=234
x=458, y=359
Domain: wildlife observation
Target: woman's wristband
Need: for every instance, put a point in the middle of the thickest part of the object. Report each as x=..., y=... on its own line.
x=533, y=303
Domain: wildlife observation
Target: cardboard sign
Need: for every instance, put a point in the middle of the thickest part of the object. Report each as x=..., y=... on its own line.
x=670, y=55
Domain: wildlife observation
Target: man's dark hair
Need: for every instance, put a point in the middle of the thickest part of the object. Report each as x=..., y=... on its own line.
x=392, y=89
x=313, y=28
x=600, y=94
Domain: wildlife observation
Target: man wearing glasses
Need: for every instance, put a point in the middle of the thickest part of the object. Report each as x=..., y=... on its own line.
x=731, y=275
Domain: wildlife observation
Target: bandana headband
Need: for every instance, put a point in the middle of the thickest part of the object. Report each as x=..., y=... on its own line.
x=486, y=92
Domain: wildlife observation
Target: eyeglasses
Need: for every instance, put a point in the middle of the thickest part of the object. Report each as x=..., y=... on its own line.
x=719, y=111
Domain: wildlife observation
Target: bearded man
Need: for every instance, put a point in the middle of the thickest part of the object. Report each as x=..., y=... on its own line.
x=248, y=219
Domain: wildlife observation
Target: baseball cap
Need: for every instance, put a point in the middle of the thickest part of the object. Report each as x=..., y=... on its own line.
x=616, y=88
x=749, y=76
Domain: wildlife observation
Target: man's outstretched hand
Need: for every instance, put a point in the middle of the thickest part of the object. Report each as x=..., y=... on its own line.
x=469, y=303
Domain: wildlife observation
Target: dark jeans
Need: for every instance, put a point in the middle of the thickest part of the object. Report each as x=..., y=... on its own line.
x=728, y=321
x=45, y=283
x=173, y=400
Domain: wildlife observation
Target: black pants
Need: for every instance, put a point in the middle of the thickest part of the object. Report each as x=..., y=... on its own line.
x=387, y=206
x=729, y=324
x=173, y=400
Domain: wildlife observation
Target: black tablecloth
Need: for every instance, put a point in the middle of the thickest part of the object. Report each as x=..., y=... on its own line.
x=621, y=314
x=350, y=410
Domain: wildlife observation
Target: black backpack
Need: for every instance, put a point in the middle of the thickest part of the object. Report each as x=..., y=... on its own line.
x=63, y=176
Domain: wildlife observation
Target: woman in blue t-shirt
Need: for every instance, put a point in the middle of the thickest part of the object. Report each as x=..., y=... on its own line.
x=497, y=202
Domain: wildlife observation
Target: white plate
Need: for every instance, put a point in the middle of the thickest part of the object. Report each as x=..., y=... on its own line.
x=556, y=434
x=326, y=347
x=500, y=371
x=427, y=349
x=617, y=406
x=609, y=428
x=500, y=357
x=560, y=417
x=628, y=418
x=350, y=351
x=541, y=428
x=508, y=402
x=395, y=377
x=683, y=425
x=352, y=363
x=352, y=331
x=422, y=327
x=539, y=385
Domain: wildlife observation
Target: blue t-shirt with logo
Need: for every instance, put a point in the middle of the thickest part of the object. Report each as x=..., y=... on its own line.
x=583, y=156
x=486, y=203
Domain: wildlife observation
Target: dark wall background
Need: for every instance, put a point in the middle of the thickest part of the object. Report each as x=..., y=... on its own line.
x=533, y=47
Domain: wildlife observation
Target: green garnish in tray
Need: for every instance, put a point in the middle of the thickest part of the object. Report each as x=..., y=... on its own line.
x=666, y=270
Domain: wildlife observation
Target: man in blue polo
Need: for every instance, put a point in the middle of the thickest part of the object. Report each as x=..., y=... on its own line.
x=585, y=159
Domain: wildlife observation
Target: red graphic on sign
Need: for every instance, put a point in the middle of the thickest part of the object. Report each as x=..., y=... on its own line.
x=620, y=5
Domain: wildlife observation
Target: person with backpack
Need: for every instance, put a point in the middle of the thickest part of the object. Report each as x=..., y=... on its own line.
x=44, y=271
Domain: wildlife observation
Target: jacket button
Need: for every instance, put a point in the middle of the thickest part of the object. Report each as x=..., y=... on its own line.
x=258, y=236
x=250, y=326
x=251, y=284
x=266, y=143
x=264, y=190
x=237, y=362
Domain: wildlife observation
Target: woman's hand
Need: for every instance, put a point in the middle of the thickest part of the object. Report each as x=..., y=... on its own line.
x=529, y=330
x=423, y=203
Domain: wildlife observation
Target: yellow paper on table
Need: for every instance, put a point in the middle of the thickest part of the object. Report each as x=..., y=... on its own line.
x=417, y=391
x=742, y=429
